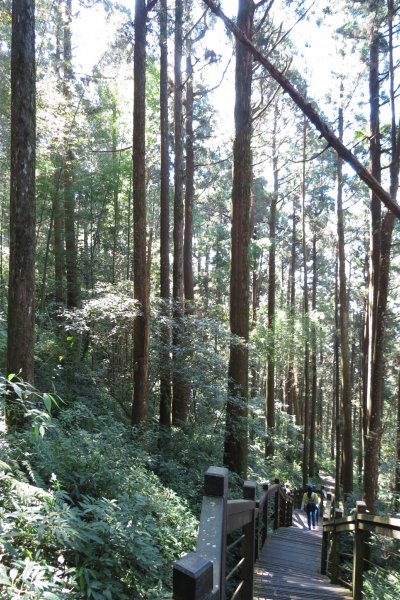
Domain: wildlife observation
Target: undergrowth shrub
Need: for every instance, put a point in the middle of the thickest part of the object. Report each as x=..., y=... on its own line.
x=83, y=515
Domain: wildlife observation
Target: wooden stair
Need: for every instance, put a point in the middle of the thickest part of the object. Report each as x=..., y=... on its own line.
x=289, y=566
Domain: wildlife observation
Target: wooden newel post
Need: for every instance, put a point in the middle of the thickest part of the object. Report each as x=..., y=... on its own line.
x=249, y=493
x=359, y=553
x=329, y=507
x=335, y=549
x=324, y=551
x=321, y=504
x=248, y=544
x=283, y=505
x=214, y=507
x=277, y=506
x=290, y=509
x=264, y=533
x=192, y=578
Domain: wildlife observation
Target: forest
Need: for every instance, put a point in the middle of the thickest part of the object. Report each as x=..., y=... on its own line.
x=199, y=266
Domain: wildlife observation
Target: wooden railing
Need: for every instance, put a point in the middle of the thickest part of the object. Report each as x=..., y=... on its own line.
x=227, y=528
x=360, y=525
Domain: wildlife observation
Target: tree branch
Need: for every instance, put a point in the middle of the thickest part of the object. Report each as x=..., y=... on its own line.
x=151, y=4
x=310, y=113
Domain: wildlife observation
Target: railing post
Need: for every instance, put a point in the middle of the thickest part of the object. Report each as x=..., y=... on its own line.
x=211, y=542
x=321, y=505
x=264, y=533
x=325, y=534
x=276, y=507
x=192, y=578
x=335, y=549
x=359, y=553
x=324, y=550
x=283, y=505
x=329, y=507
x=287, y=506
x=248, y=545
x=291, y=509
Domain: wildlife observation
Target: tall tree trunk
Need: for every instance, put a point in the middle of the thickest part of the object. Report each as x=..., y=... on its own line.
x=189, y=189
x=236, y=437
x=179, y=405
x=58, y=217
x=397, y=473
x=337, y=388
x=269, y=442
x=255, y=303
x=165, y=364
x=58, y=241
x=46, y=261
x=313, y=423
x=381, y=236
x=290, y=381
x=71, y=258
x=116, y=166
x=141, y=325
x=347, y=466
x=373, y=411
x=21, y=287
x=306, y=316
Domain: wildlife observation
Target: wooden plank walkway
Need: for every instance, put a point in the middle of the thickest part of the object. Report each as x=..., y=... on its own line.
x=288, y=567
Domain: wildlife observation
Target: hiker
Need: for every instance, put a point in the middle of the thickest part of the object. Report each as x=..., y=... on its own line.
x=309, y=504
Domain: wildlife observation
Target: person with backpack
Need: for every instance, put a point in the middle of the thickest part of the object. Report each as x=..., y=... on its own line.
x=310, y=504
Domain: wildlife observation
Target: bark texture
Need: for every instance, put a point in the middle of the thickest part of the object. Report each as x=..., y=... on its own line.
x=21, y=291
x=269, y=444
x=71, y=259
x=179, y=402
x=140, y=272
x=347, y=450
x=165, y=366
x=236, y=440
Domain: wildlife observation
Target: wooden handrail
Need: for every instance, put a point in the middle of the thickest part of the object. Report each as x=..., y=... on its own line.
x=361, y=524
x=201, y=575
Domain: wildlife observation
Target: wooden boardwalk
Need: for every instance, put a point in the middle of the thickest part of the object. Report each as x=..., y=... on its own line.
x=288, y=567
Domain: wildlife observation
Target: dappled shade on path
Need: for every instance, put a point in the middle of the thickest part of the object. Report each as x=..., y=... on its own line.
x=289, y=566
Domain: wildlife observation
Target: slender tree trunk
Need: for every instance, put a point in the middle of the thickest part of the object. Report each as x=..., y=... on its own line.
x=372, y=442
x=337, y=388
x=290, y=385
x=269, y=442
x=365, y=361
x=21, y=287
x=165, y=363
x=189, y=189
x=141, y=325
x=71, y=258
x=347, y=466
x=116, y=166
x=236, y=435
x=381, y=237
x=58, y=217
x=45, y=265
x=333, y=405
x=255, y=303
x=306, y=391
x=129, y=274
x=58, y=242
x=313, y=363
x=397, y=474
x=179, y=406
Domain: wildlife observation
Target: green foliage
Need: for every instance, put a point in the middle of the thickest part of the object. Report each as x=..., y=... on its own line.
x=97, y=523
x=382, y=580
